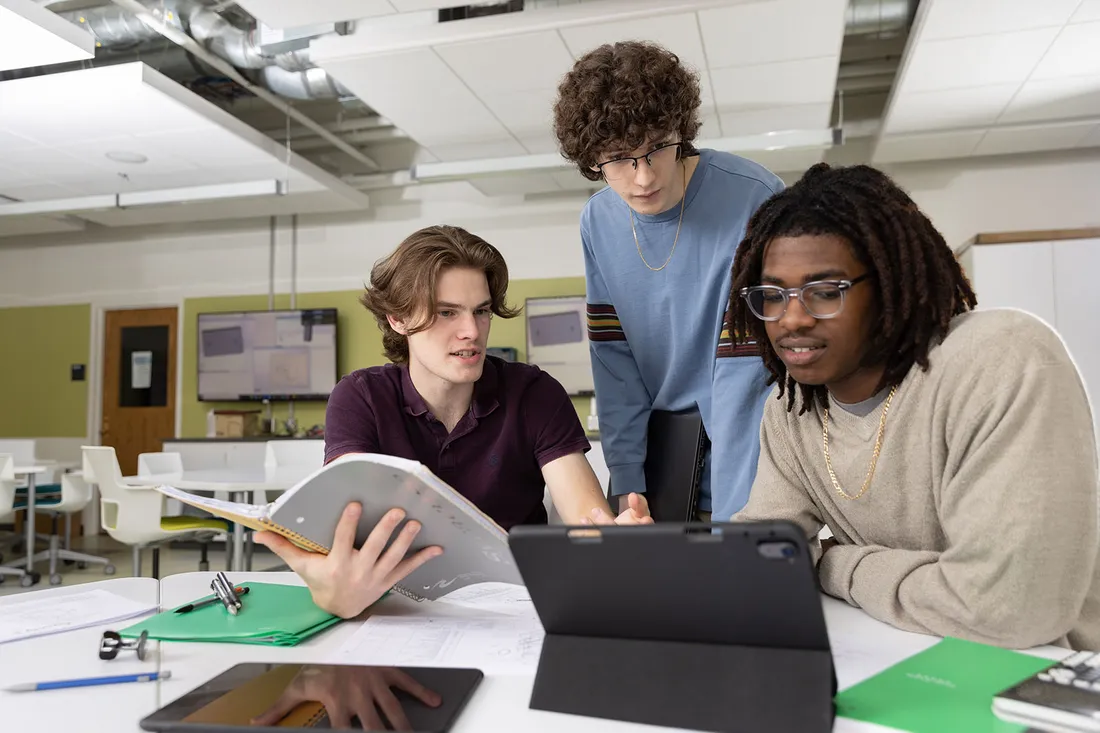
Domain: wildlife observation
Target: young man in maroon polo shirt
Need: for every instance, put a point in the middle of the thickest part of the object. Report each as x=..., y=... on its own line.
x=498, y=432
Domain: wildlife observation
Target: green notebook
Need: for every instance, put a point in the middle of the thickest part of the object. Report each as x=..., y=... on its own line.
x=272, y=614
x=948, y=687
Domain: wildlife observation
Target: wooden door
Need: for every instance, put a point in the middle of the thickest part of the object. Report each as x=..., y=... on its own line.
x=139, y=382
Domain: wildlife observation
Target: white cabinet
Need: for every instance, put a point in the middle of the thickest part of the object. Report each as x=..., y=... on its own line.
x=1057, y=281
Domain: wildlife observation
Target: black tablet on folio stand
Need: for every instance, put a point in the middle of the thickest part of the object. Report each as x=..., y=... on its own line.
x=715, y=627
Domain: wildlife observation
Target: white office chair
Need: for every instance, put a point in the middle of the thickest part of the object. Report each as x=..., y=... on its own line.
x=279, y=453
x=75, y=494
x=7, y=513
x=296, y=454
x=134, y=515
x=159, y=463
x=163, y=464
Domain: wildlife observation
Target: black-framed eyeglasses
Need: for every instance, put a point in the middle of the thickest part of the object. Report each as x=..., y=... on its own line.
x=661, y=156
x=822, y=299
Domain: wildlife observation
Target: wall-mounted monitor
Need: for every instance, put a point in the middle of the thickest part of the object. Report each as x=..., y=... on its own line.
x=557, y=341
x=275, y=355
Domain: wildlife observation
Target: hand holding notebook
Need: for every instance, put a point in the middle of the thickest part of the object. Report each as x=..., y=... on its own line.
x=347, y=580
x=475, y=549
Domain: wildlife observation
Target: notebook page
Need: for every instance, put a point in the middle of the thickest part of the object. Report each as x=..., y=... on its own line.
x=217, y=506
x=498, y=645
x=57, y=613
x=503, y=598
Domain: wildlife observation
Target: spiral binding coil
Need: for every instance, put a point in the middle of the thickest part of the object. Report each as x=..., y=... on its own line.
x=407, y=593
x=294, y=536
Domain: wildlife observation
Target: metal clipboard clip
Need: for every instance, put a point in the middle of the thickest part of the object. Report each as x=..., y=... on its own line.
x=225, y=592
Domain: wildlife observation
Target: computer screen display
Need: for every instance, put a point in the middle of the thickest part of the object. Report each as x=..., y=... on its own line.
x=277, y=355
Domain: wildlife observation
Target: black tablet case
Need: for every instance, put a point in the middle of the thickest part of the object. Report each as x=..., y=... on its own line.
x=685, y=626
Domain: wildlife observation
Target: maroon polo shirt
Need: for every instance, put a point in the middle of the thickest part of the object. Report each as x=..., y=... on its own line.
x=520, y=419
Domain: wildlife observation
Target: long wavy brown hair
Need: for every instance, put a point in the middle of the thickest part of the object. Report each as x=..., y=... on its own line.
x=619, y=96
x=403, y=284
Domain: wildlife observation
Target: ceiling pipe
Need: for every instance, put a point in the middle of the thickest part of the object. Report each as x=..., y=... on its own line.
x=156, y=18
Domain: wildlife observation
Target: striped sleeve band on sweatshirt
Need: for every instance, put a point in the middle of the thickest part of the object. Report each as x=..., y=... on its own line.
x=603, y=323
x=729, y=344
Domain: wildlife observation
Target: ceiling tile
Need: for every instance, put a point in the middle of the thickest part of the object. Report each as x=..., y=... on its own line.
x=38, y=192
x=11, y=141
x=213, y=148
x=794, y=117
x=525, y=114
x=711, y=128
x=53, y=165
x=949, y=109
x=1092, y=140
x=538, y=144
x=786, y=161
x=515, y=184
x=411, y=6
x=494, y=148
x=742, y=88
x=957, y=18
x=1055, y=99
x=1089, y=11
x=421, y=95
x=677, y=33
x=572, y=180
x=973, y=62
x=293, y=13
x=763, y=32
x=494, y=66
x=929, y=146
x=1076, y=52
x=1033, y=138
x=159, y=159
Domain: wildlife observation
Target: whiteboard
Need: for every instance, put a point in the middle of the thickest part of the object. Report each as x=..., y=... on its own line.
x=557, y=341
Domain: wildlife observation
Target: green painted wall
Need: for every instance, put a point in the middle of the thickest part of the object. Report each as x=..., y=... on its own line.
x=360, y=341
x=37, y=397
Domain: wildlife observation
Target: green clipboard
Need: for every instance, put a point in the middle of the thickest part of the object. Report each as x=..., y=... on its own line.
x=272, y=614
x=948, y=687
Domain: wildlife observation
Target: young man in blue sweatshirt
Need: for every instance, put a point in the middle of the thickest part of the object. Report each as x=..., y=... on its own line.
x=658, y=245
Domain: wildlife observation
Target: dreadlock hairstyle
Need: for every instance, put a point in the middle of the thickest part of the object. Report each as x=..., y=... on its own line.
x=919, y=283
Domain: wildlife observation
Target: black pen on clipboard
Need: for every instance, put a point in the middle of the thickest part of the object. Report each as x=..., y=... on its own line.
x=224, y=593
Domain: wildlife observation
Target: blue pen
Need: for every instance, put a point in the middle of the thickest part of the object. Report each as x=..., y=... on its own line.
x=90, y=681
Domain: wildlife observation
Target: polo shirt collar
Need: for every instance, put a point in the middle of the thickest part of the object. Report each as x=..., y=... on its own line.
x=484, y=399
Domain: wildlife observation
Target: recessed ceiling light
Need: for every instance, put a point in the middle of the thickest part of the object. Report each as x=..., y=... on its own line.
x=123, y=156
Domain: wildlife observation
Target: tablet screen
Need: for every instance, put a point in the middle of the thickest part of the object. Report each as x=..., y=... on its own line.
x=280, y=697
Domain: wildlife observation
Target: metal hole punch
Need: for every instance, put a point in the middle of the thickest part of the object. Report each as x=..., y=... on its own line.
x=225, y=592
x=112, y=643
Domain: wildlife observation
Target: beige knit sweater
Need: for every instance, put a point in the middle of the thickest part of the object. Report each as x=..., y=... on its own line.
x=981, y=521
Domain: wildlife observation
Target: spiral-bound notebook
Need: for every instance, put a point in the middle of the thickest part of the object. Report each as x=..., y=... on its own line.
x=475, y=548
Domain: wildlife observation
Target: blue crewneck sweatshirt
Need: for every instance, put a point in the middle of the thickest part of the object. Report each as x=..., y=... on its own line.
x=658, y=339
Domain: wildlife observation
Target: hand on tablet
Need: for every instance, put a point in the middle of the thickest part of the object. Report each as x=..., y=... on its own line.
x=346, y=580
x=351, y=692
x=636, y=512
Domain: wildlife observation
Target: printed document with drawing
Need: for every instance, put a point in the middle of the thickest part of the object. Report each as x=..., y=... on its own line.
x=475, y=548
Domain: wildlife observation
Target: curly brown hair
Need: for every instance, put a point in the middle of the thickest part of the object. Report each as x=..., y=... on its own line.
x=921, y=285
x=403, y=284
x=620, y=95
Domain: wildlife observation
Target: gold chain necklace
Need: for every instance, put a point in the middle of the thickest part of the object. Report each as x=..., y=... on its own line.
x=874, y=456
x=674, y=241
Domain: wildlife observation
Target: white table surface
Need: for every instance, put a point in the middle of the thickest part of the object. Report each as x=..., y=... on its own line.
x=76, y=654
x=861, y=647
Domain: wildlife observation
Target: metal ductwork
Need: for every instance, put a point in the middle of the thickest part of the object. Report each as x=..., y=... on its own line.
x=289, y=74
x=879, y=17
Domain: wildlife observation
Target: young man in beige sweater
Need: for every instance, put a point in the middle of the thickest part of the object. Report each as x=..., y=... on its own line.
x=952, y=453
